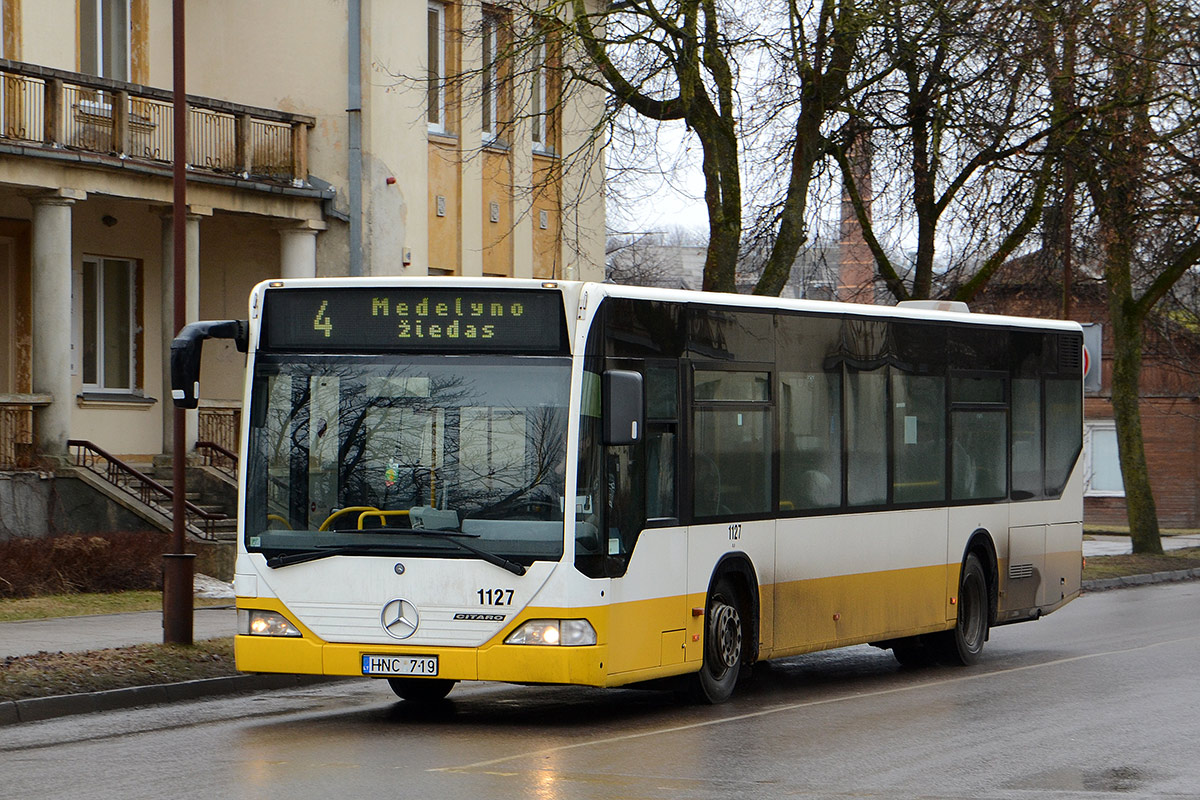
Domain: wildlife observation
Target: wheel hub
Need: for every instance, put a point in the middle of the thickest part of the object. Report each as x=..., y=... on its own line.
x=727, y=636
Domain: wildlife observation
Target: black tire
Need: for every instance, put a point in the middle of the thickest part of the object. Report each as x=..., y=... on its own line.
x=913, y=653
x=421, y=690
x=724, y=645
x=964, y=645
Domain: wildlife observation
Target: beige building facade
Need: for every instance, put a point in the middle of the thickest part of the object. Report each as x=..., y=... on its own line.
x=325, y=138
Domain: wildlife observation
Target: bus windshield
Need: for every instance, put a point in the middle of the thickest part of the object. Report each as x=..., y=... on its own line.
x=404, y=455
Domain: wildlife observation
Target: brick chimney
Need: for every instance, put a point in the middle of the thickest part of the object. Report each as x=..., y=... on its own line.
x=856, y=265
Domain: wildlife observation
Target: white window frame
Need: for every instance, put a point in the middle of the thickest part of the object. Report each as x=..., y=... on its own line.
x=538, y=115
x=95, y=264
x=490, y=90
x=101, y=44
x=1090, y=429
x=436, y=73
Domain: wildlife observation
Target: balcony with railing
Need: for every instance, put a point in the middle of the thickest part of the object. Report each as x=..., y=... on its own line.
x=16, y=429
x=48, y=111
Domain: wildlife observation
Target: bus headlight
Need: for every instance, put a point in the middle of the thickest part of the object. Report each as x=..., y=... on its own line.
x=264, y=623
x=565, y=632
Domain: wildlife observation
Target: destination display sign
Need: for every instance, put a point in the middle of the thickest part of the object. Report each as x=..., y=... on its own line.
x=413, y=319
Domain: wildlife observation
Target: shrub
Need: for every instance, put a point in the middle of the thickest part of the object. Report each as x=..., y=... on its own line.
x=103, y=562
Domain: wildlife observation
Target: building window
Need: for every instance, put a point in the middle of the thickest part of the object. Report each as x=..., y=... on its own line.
x=1102, y=468
x=436, y=73
x=104, y=38
x=108, y=326
x=537, y=105
x=490, y=90
x=542, y=98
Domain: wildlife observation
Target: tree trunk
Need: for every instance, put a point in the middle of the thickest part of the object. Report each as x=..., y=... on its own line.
x=1127, y=367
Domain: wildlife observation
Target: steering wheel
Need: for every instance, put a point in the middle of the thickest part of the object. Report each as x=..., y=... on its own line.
x=346, y=510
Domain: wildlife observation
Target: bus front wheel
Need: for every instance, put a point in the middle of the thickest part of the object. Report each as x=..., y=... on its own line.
x=723, y=645
x=963, y=645
x=421, y=690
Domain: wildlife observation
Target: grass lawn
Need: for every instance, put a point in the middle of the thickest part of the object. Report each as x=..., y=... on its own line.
x=49, y=674
x=82, y=605
x=1139, y=564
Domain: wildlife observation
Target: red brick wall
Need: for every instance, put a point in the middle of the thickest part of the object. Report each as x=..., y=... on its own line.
x=1171, y=428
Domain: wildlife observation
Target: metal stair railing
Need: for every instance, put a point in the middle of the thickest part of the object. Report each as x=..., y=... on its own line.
x=219, y=458
x=141, y=486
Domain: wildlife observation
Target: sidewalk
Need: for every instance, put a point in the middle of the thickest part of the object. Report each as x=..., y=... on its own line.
x=1114, y=545
x=99, y=632
x=102, y=631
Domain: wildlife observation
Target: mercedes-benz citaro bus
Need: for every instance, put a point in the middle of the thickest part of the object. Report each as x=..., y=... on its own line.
x=554, y=482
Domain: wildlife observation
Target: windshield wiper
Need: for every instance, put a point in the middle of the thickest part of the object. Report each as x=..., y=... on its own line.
x=324, y=551
x=456, y=538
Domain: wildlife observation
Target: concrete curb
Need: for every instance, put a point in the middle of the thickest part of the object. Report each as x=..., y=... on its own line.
x=39, y=708
x=1104, y=584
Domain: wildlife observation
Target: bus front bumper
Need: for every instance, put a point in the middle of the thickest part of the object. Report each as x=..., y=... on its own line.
x=492, y=662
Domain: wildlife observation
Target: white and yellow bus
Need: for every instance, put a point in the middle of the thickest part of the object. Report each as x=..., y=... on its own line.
x=576, y=483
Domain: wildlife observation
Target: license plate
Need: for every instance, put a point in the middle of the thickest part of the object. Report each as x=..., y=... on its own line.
x=400, y=665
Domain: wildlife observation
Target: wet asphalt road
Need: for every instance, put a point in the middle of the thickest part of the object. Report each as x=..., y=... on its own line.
x=1101, y=699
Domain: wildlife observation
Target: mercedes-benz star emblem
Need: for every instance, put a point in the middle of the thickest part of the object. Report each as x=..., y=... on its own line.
x=400, y=618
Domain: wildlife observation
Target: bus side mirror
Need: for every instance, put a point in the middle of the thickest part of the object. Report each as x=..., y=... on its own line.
x=622, y=404
x=185, y=355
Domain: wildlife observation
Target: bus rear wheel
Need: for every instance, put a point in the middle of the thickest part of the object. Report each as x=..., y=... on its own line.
x=964, y=645
x=723, y=645
x=421, y=690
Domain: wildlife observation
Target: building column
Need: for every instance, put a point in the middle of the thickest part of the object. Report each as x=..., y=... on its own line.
x=192, y=313
x=522, y=201
x=298, y=251
x=52, y=256
x=471, y=150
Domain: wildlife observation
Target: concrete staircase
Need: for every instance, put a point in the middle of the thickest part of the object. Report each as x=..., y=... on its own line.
x=210, y=492
x=208, y=489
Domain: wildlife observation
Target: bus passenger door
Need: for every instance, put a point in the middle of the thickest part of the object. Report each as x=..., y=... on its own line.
x=649, y=604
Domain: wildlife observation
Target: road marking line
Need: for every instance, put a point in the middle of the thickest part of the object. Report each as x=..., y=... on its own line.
x=796, y=706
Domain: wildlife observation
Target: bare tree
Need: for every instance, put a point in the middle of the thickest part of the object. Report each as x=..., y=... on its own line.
x=957, y=130
x=684, y=61
x=1137, y=152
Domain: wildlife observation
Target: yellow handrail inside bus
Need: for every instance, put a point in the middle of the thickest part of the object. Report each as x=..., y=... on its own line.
x=341, y=511
x=277, y=518
x=383, y=515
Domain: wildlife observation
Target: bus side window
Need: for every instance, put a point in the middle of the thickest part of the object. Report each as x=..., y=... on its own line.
x=662, y=424
x=866, y=448
x=1027, y=480
x=733, y=442
x=810, y=452
x=625, y=499
x=660, y=473
x=1064, y=431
